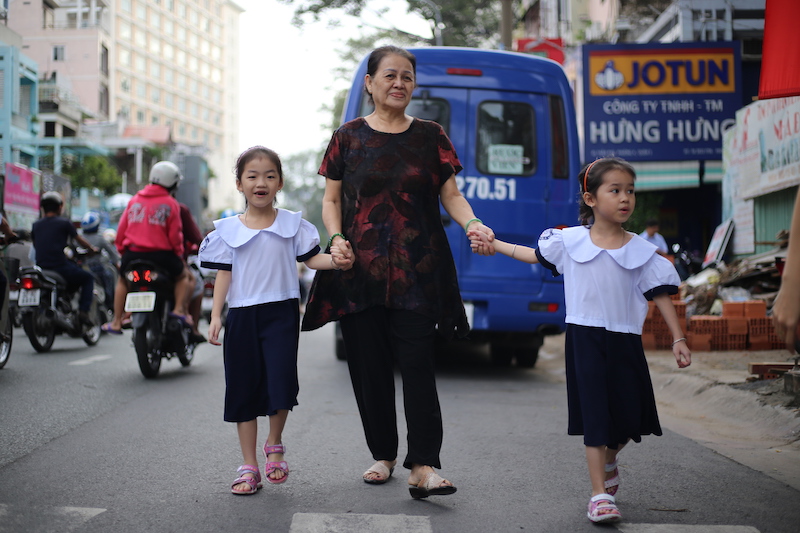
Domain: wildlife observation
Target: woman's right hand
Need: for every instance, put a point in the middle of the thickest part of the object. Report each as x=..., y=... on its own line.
x=481, y=242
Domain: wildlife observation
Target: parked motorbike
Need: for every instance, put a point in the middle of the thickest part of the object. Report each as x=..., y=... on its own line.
x=686, y=263
x=49, y=306
x=157, y=334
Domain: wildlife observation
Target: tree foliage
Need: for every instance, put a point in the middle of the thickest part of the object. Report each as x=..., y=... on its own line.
x=94, y=172
x=471, y=23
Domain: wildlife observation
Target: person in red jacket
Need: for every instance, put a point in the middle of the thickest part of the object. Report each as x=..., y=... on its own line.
x=151, y=228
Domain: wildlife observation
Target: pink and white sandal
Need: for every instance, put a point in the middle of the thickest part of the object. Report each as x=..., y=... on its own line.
x=272, y=466
x=612, y=485
x=253, y=482
x=602, y=508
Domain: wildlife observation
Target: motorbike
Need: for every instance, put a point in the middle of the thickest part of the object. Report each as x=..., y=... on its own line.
x=48, y=306
x=157, y=334
x=10, y=266
x=208, y=277
x=686, y=263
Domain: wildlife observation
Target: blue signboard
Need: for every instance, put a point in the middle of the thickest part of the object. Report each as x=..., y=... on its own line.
x=660, y=102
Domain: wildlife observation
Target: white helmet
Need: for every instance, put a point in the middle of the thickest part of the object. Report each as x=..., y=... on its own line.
x=165, y=173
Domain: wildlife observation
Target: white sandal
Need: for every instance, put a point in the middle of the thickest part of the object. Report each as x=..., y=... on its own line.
x=382, y=470
x=431, y=485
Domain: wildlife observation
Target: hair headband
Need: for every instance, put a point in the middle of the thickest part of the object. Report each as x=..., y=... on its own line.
x=586, y=175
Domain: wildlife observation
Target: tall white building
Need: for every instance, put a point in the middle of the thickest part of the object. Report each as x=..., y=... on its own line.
x=152, y=62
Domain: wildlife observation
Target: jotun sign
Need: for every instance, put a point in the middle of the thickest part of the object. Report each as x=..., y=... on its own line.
x=660, y=102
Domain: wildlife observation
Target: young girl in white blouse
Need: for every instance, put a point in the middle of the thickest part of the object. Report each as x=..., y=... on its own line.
x=255, y=254
x=609, y=274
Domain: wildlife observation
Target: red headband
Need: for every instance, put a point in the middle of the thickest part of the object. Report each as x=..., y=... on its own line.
x=586, y=175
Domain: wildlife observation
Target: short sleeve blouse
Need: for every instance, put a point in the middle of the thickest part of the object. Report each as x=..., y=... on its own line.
x=606, y=288
x=262, y=262
x=390, y=215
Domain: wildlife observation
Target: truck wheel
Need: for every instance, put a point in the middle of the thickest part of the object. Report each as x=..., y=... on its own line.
x=341, y=354
x=501, y=354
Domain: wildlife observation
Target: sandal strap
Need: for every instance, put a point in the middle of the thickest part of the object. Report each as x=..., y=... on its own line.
x=277, y=448
x=431, y=481
x=277, y=465
x=380, y=469
x=249, y=469
x=610, y=467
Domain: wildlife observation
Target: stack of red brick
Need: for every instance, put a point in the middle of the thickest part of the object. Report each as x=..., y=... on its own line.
x=742, y=326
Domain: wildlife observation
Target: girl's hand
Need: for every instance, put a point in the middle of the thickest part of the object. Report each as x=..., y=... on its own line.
x=343, y=256
x=481, y=242
x=214, y=327
x=682, y=354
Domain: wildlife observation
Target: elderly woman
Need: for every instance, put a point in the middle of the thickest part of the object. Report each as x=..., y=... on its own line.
x=385, y=175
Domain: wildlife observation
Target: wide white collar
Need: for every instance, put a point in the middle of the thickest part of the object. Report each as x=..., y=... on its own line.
x=581, y=249
x=235, y=233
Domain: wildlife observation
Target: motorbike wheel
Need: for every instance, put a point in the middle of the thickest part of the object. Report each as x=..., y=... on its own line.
x=5, y=342
x=187, y=356
x=92, y=335
x=40, y=331
x=144, y=341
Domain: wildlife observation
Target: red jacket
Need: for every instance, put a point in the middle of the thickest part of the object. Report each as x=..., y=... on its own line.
x=151, y=222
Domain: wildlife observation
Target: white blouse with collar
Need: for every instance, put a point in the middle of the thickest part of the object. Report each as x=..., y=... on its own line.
x=263, y=263
x=606, y=288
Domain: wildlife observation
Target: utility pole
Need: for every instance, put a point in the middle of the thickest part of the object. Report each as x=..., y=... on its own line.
x=506, y=22
x=439, y=25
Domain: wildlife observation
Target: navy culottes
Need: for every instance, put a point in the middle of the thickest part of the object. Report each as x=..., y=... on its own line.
x=609, y=392
x=260, y=349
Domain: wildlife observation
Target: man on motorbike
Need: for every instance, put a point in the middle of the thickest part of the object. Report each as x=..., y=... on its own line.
x=105, y=264
x=50, y=235
x=150, y=228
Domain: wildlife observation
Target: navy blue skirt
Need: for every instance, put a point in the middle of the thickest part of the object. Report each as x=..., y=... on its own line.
x=260, y=348
x=609, y=392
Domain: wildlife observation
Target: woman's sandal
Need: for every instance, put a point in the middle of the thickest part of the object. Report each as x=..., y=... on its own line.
x=602, y=508
x=380, y=469
x=272, y=466
x=612, y=485
x=253, y=482
x=431, y=485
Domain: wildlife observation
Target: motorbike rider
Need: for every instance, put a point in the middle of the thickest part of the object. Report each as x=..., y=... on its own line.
x=50, y=235
x=151, y=229
x=105, y=264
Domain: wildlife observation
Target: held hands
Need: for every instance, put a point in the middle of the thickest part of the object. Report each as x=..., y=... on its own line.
x=481, y=241
x=682, y=353
x=342, y=255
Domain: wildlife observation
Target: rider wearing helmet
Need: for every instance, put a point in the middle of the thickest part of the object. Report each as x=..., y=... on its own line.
x=150, y=228
x=105, y=264
x=50, y=235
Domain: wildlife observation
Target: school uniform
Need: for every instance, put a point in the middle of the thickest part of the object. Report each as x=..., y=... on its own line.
x=263, y=323
x=609, y=392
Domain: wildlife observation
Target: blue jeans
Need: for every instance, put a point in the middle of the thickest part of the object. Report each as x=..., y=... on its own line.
x=76, y=276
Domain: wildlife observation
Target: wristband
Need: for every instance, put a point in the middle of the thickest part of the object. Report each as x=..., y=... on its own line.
x=330, y=241
x=466, y=226
x=678, y=340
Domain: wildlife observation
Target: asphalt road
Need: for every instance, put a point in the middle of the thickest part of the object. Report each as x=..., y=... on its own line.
x=88, y=445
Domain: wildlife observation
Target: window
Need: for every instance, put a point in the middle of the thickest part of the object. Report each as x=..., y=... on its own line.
x=104, y=59
x=141, y=90
x=426, y=108
x=155, y=69
x=103, y=100
x=506, y=138
x=141, y=12
x=59, y=53
x=155, y=95
x=125, y=84
x=140, y=117
x=125, y=31
x=154, y=120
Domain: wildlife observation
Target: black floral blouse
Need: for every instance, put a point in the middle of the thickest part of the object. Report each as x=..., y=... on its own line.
x=390, y=215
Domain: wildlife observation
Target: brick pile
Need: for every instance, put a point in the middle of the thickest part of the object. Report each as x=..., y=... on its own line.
x=742, y=326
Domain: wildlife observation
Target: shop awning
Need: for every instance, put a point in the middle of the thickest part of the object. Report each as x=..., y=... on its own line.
x=660, y=175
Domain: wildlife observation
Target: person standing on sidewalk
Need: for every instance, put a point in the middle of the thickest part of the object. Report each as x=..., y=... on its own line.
x=609, y=274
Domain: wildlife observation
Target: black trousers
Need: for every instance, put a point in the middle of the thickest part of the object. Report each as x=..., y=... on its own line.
x=376, y=339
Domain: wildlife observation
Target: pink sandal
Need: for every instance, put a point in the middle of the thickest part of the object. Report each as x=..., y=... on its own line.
x=602, y=508
x=612, y=485
x=275, y=465
x=253, y=482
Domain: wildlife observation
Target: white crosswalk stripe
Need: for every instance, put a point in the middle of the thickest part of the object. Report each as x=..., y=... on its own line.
x=350, y=522
x=683, y=528
x=15, y=518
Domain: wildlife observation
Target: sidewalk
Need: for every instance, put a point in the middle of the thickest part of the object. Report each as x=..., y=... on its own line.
x=711, y=402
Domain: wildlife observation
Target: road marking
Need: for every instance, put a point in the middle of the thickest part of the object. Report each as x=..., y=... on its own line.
x=24, y=518
x=349, y=522
x=91, y=359
x=683, y=528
